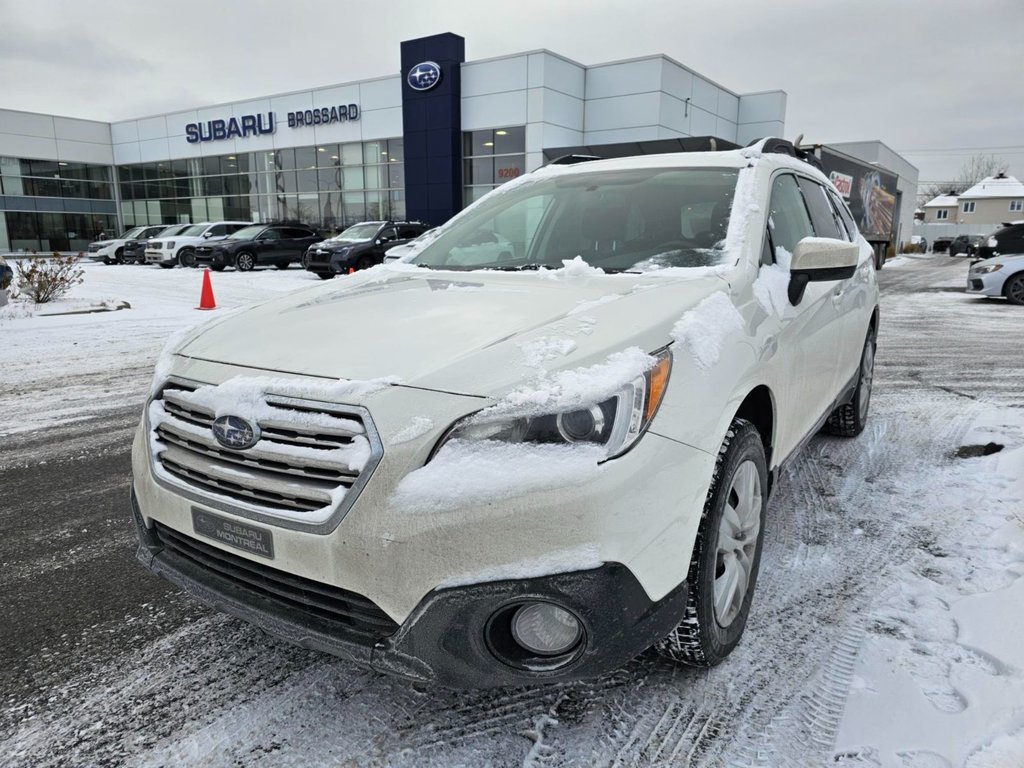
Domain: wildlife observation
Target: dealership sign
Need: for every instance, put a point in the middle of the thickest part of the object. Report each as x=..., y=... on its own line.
x=424, y=76
x=266, y=122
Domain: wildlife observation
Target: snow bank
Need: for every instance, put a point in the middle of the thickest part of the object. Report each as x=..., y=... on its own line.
x=473, y=473
x=704, y=328
x=581, y=558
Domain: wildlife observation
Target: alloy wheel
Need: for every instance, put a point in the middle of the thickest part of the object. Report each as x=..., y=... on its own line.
x=737, y=542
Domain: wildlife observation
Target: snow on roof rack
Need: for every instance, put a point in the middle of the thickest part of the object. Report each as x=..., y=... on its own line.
x=776, y=146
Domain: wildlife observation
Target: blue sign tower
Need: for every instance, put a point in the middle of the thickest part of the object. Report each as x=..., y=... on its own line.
x=432, y=126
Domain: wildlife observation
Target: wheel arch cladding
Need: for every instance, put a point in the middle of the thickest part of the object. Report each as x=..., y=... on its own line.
x=758, y=407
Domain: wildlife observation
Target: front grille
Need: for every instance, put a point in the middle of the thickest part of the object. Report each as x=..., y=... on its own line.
x=346, y=611
x=310, y=456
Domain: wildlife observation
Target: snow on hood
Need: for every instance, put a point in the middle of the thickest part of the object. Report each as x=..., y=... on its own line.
x=407, y=321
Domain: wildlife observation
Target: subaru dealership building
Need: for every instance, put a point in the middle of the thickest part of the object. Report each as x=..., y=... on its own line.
x=420, y=144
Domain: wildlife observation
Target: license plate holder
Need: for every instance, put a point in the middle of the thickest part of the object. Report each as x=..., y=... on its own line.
x=248, y=538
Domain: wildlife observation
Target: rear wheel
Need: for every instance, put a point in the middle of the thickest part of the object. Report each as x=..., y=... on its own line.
x=850, y=419
x=245, y=261
x=1014, y=289
x=726, y=555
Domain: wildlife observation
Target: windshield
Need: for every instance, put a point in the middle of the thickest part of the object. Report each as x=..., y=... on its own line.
x=630, y=220
x=131, y=233
x=194, y=230
x=247, y=233
x=357, y=233
x=178, y=230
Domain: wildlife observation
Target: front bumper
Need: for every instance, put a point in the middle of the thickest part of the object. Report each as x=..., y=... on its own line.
x=217, y=258
x=161, y=257
x=449, y=639
x=330, y=263
x=986, y=284
x=103, y=254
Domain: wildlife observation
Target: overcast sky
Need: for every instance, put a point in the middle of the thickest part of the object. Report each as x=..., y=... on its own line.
x=935, y=75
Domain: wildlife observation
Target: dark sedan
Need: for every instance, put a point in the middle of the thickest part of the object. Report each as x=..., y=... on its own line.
x=261, y=244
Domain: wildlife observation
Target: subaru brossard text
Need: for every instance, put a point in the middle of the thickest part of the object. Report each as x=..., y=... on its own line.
x=529, y=466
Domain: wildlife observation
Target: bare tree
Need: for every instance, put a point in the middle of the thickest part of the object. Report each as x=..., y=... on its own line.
x=976, y=168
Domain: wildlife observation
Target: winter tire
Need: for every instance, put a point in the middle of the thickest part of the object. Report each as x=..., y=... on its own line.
x=850, y=419
x=726, y=554
x=187, y=257
x=118, y=256
x=1014, y=289
x=245, y=262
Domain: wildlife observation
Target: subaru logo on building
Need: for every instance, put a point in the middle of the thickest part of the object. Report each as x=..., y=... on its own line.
x=424, y=76
x=235, y=432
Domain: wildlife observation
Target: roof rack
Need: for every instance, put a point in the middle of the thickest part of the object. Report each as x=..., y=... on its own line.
x=573, y=159
x=776, y=146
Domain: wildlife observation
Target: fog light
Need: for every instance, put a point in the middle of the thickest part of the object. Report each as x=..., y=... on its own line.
x=545, y=629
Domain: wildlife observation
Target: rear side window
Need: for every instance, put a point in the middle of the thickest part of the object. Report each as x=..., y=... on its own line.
x=822, y=216
x=297, y=233
x=788, y=220
x=844, y=214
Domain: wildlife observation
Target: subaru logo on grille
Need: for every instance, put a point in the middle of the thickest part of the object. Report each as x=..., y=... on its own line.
x=235, y=432
x=424, y=76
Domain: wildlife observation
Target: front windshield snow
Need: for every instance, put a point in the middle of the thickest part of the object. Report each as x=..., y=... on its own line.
x=628, y=220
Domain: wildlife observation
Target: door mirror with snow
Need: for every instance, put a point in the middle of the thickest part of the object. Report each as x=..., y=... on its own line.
x=820, y=259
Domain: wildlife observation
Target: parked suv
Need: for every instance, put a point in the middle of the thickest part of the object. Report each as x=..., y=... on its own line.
x=181, y=248
x=135, y=250
x=965, y=245
x=359, y=247
x=530, y=469
x=258, y=244
x=1009, y=239
x=113, y=251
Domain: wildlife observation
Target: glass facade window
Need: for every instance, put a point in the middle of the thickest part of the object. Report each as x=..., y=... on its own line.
x=329, y=186
x=490, y=158
x=73, y=204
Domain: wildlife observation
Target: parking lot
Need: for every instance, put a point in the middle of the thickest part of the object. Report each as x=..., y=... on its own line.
x=874, y=631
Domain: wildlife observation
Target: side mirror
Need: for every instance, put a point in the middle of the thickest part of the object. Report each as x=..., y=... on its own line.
x=207, y=235
x=820, y=259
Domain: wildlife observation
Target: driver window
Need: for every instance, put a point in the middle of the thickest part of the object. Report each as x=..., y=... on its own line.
x=271, y=234
x=788, y=220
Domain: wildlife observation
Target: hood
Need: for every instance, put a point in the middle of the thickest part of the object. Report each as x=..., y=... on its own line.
x=476, y=333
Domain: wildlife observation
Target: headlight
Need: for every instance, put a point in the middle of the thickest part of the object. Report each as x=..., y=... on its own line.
x=615, y=423
x=987, y=268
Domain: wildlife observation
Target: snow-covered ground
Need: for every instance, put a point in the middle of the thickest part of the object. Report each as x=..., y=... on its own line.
x=886, y=629
x=66, y=367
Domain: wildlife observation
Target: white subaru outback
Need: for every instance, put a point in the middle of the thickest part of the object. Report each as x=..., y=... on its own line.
x=532, y=469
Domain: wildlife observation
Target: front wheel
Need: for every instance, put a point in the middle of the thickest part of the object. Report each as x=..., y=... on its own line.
x=849, y=420
x=245, y=262
x=187, y=257
x=726, y=554
x=1014, y=289
x=217, y=267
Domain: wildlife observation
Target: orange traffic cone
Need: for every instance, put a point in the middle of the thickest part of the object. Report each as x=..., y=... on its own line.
x=351, y=270
x=206, y=297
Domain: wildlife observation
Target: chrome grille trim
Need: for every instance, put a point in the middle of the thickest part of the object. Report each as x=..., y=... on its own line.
x=293, y=469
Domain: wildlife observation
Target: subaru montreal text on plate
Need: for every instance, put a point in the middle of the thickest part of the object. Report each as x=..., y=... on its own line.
x=530, y=469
